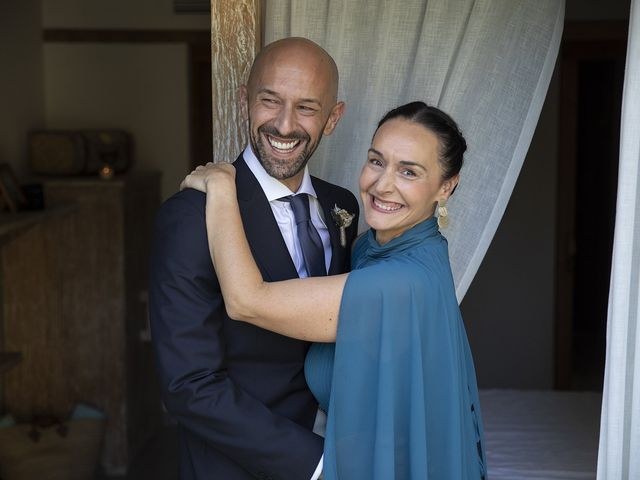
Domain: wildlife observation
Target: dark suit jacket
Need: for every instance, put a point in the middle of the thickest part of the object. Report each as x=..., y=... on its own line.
x=237, y=391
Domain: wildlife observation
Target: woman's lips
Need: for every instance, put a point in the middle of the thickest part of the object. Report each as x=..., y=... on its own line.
x=385, y=207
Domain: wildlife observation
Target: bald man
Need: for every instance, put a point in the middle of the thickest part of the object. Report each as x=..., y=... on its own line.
x=238, y=392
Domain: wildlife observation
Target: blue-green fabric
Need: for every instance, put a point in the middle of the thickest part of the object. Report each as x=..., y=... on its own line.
x=401, y=391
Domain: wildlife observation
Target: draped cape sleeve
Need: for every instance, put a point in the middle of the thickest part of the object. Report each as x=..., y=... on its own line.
x=404, y=401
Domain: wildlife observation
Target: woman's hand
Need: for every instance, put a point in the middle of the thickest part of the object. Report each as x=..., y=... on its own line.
x=212, y=177
x=306, y=309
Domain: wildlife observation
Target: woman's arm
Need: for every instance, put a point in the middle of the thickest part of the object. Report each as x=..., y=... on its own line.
x=306, y=309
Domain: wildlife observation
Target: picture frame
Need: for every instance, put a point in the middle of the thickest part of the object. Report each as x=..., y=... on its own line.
x=11, y=194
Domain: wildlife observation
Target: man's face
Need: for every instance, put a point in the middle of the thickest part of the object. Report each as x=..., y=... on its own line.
x=290, y=104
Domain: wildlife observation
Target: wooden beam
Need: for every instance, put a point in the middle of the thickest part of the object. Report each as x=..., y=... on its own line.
x=235, y=40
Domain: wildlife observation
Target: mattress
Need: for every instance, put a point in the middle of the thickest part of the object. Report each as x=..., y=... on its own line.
x=543, y=435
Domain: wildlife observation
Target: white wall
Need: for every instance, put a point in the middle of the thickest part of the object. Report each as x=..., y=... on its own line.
x=21, y=89
x=509, y=308
x=142, y=88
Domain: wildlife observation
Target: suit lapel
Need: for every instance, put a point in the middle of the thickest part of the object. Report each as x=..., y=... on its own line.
x=267, y=246
x=338, y=252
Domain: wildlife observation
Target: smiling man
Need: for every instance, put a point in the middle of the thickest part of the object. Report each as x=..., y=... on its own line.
x=238, y=392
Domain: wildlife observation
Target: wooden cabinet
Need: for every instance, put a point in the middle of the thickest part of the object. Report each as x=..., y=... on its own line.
x=74, y=303
x=9, y=360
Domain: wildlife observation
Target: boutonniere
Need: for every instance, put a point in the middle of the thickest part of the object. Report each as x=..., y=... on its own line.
x=343, y=220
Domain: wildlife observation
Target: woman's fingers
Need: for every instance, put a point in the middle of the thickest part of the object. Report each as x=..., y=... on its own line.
x=203, y=175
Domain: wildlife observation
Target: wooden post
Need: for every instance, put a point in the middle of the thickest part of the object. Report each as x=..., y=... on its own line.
x=235, y=40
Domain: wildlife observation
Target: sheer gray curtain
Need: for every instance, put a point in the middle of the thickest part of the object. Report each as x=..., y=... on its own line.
x=619, y=453
x=486, y=62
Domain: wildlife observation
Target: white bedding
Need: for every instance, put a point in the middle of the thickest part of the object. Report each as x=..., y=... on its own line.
x=543, y=435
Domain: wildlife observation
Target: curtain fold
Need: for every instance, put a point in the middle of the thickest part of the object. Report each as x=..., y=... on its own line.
x=618, y=455
x=488, y=63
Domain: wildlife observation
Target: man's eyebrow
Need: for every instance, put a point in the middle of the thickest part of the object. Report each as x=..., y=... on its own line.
x=267, y=91
x=310, y=100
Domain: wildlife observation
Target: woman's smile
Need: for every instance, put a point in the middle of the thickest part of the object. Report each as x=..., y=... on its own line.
x=385, y=206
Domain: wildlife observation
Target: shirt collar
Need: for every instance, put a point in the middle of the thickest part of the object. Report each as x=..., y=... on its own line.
x=271, y=187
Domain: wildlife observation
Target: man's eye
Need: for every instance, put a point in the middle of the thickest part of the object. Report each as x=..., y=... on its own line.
x=306, y=109
x=407, y=173
x=375, y=162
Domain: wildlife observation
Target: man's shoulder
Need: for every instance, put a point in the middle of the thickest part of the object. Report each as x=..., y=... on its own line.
x=193, y=200
x=184, y=208
x=187, y=199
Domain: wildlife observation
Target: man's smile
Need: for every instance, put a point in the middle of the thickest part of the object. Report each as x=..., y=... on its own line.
x=282, y=146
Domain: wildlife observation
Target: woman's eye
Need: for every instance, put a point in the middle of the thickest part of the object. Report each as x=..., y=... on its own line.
x=375, y=162
x=407, y=173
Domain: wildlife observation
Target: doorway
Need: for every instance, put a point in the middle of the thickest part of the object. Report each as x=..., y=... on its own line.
x=201, y=123
x=592, y=74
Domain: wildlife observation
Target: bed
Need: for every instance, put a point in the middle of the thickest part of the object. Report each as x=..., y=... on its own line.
x=545, y=435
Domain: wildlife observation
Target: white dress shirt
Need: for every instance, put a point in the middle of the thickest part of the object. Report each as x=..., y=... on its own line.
x=273, y=190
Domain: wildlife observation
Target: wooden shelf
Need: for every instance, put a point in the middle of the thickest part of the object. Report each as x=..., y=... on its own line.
x=9, y=360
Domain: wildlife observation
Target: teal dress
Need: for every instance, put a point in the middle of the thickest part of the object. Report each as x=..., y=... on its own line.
x=399, y=385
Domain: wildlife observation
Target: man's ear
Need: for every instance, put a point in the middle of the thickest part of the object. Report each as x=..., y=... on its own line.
x=334, y=117
x=244, y=102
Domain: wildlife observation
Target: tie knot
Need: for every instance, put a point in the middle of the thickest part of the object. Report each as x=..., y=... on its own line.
x=300, y=207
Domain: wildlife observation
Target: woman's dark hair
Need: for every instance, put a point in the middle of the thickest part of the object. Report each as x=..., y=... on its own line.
x=452, y=143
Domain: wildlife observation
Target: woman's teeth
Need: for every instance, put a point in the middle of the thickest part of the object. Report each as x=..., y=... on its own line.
x=387, y=206
x=283, y=146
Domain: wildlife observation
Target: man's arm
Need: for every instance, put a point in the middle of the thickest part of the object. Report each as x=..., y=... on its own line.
x=187, y=321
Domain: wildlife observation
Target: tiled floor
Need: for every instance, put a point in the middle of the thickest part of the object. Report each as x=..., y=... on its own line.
x=157, y=461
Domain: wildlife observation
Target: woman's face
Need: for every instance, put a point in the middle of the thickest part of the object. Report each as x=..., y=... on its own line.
x=401, y=181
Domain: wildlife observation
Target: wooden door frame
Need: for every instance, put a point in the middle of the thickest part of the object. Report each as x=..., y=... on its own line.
x=581, y=41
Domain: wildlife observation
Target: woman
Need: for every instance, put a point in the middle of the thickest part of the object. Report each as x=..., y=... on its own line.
x=399, y=383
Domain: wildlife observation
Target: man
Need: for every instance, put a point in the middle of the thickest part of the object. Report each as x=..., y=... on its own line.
x=238, y=392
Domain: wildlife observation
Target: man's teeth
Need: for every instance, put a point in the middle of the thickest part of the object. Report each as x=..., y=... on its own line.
x=283, y=145
x=389, y=207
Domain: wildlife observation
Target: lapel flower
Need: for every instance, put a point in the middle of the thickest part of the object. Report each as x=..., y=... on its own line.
x=343, y=220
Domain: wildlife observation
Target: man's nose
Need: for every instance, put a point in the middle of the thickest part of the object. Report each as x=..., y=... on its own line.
x=285, y=120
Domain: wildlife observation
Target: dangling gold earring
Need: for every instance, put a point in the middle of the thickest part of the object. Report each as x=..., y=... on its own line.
x=443, y=214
